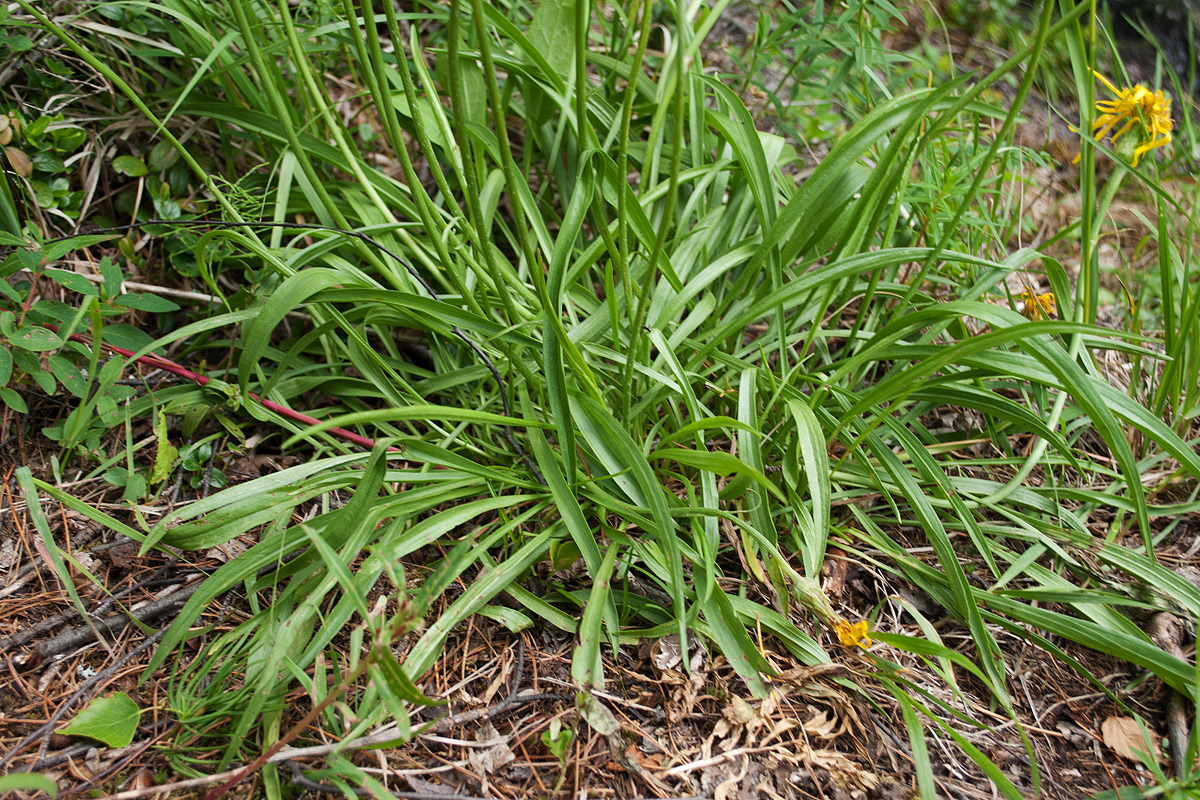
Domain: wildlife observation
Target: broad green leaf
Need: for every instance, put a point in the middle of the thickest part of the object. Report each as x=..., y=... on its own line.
x=416, y=412
x=72, y=280
x=730, y=632
x=743, y=137
x=510, y=618
x=486, y=586
x=132, y=166
x=35, y=338
x=552, y=33
x=815, y=460
x=708, y=424
x=916, y=740
x=69, y=375
x=110, y=718
x=28, y=781
x=54, y=250
x=145, y=302
x=387, y=668
x=718, y=462
x=293, y=292
x=165, y=453
x=963, y=603
x=1174, y=672
x=618, y=455
x=33, y=506
x=13, y=400
x=587, y=667
x=126, y=336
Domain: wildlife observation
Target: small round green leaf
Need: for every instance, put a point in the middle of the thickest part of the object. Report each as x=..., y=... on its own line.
x=163, y=155
x=130, y=165
x=13, y=400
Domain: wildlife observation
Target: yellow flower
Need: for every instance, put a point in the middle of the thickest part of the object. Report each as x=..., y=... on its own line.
x=1038, y=306
x=852, y=635
x=1149, y=111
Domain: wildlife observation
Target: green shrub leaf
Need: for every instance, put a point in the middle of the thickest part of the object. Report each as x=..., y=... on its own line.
x=112, y=719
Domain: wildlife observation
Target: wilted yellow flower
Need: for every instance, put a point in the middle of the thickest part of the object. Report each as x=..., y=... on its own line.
x=852, y=634
x=1038, y=306
x=1138, y=107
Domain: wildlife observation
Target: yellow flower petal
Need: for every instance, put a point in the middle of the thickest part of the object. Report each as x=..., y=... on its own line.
x=1038, y=306
x=1149, y=112
x=853, y=634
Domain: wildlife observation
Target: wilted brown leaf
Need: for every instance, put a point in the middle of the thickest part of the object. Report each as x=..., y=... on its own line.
x=21, y=163
x=1123, y=736
x=487, y=760
x=822, y=726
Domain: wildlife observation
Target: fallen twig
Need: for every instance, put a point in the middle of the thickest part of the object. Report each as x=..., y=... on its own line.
x=75, y=637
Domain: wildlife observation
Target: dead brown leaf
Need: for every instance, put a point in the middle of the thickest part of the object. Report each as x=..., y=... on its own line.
x=487, y=760
x=822, y=726
x=21, y=163
x=1123, y=735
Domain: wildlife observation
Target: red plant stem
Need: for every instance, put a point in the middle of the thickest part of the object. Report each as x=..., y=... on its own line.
x=176, y=369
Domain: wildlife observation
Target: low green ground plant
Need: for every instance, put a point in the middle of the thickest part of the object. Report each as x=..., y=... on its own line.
x=587, y=309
